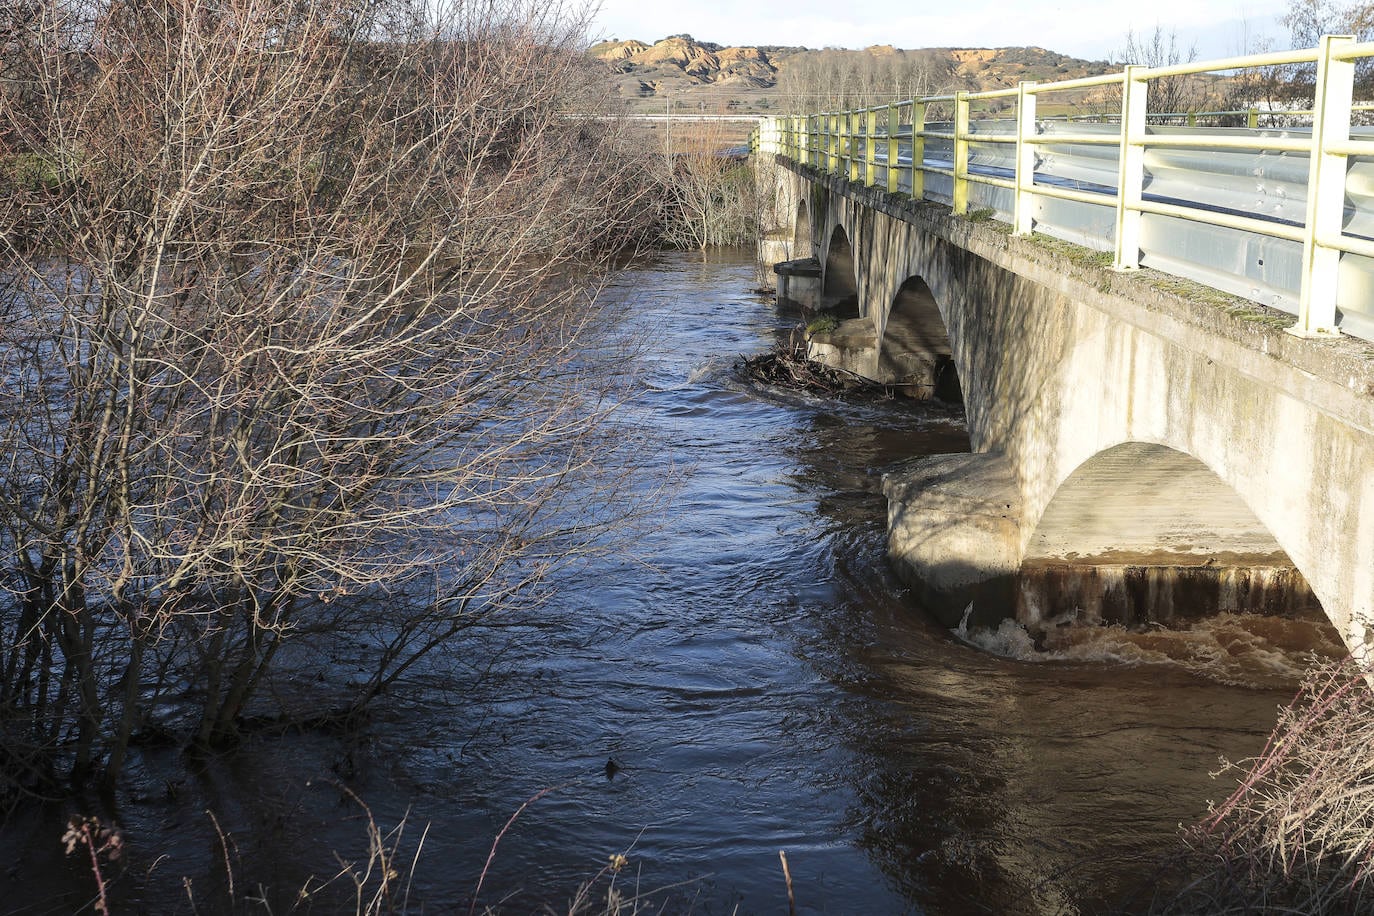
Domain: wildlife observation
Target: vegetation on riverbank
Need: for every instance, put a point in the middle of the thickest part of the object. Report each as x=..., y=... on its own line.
x=709, y=195
x=299, y=348
x=1297, y=833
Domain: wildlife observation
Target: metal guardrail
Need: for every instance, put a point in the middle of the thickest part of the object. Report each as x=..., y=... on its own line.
x=1282, y=216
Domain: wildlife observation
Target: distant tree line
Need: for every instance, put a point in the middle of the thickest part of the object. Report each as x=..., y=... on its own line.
x=836, y=80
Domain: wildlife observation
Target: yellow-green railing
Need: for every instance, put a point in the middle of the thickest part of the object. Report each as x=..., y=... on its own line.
x=885, y=146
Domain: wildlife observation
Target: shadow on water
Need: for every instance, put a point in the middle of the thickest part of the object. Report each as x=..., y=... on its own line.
x=759, y=678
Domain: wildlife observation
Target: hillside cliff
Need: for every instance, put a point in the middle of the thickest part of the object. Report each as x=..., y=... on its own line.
x=680, y=72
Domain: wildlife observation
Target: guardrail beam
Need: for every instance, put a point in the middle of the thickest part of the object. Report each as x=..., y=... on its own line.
x=847, y=145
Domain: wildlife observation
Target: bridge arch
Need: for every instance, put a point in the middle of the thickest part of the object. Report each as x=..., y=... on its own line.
x=914, y=343
x=839, y=278
x=1141, y=532
x=802, y=243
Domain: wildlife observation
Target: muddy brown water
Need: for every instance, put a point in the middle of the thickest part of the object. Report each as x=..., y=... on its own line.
x=761, y=681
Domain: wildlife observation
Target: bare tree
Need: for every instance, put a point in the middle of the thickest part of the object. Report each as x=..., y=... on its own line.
x=1309, y=20
x=709, y=193
x=296, y=301
x=1269, y=91
x=1170, y=94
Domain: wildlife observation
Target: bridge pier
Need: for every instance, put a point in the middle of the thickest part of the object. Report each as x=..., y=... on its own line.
x=954, y=534
x=913, y=353
x=799, y=282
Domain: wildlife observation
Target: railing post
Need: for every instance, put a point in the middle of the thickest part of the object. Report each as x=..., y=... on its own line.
x=1130, y=182
x=961, y=119
x=894, y=148
x=870, y=147
x=841, y=122
x=1325, y=191
x=1252, y=119
x=833, y=129
x=843, y=125
x=852, y=146
x=1022, y=216
x=844, y=143
x=918, y=150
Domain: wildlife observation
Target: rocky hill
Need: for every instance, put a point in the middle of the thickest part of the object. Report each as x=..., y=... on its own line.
x=680, y=56
x=680, y=73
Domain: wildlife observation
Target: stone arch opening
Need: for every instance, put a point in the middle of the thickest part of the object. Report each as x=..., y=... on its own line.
x=1141, y=534
x=801, y=231
x=840, y=283
x=915, y=348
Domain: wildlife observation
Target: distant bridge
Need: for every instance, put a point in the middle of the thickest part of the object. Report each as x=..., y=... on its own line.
x=1182, y=391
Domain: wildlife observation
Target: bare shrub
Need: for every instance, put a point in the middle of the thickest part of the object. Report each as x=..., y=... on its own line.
x=305, y=314
x=1297, y=835
x=710, y=196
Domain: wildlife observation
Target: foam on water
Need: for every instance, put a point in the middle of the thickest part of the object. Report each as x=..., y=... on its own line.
x=1247, y=650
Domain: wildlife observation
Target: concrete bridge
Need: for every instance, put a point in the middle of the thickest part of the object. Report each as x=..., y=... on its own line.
x=1152, y=447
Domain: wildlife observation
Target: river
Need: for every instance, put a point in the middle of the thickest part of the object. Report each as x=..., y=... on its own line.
x=761, y=682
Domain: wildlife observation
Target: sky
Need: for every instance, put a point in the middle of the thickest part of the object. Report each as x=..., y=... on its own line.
x=1092, y=29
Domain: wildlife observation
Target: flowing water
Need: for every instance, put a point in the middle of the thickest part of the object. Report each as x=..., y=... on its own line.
x=761, y=681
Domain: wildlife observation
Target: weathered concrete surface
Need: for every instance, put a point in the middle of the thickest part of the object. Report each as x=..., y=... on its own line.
x=914, y=357
x=1139, y=502
x=771, y=250
x=784, y=233
x=1141, y=533
x=957, y=519
x=1061, y=359
x=1152, y=590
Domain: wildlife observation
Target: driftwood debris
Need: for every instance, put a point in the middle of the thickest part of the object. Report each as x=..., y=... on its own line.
x=787, y=367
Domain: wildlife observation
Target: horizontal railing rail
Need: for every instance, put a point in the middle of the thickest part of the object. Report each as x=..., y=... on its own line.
x=1283, y=215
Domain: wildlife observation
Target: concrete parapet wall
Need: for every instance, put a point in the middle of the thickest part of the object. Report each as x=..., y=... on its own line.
x=1061, y=359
